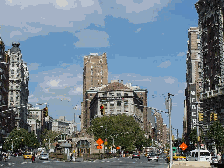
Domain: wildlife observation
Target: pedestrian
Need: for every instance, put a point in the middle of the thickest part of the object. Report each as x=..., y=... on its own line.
x=71, y=157
x=33, y=158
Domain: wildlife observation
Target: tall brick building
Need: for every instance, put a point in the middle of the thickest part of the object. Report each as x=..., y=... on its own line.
x=193, y=79
x=95, y=74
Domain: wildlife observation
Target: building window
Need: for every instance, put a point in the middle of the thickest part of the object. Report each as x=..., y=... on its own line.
x=125, y=95
x=118, y=94
x=12, y=71
x=118, y=103
x=90, y=95
x=198, y=36
x=12, y=64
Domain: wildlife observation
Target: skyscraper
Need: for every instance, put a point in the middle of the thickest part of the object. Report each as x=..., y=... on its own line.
x=95, y=74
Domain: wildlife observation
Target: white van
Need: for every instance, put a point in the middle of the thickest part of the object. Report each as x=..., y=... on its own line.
x=205, y=155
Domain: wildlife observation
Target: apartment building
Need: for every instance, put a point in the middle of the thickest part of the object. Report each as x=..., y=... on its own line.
x=118, y=98
x=193, y=79
x=211, y=32
x=63, y=126
x=6, y=117
x=95, y=74
x=18, y=86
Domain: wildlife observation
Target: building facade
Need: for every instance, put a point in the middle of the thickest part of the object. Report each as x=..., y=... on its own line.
x=18, y=86
x=193, y=79
x=6, y=117
x=211, y=34
x=95, y=74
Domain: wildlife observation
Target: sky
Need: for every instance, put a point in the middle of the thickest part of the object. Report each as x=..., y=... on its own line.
x=145, y=42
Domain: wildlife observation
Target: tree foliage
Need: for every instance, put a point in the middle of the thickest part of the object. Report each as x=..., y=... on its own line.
x=216, y=134
x=122, y=128
x=49, y=134
x=21, y=139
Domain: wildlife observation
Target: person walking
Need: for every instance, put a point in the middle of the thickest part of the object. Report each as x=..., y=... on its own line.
x=33, y=158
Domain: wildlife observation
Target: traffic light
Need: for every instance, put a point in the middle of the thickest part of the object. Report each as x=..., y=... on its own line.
x=102, y=109
x=211, y=116
x=200, y=116
x=215, y=117
x=45, y=110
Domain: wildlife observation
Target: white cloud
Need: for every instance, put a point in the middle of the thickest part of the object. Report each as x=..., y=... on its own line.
x=138, y=30
x=15, y=33
x=169, y=80
x=180, y=91
x=181, y=54
x=62, y=3
x=165, y=64
x=92, y=38
x=70, y=15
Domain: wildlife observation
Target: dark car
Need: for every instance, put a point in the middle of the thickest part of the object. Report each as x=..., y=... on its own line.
x=136, y=155
x=153, y=156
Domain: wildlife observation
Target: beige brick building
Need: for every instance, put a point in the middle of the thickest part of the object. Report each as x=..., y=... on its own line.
x=95, y=74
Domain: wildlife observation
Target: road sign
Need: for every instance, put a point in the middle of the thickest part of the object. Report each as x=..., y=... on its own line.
x=117, y=147
x=183, y=146
x=99, y=147
x=99, y=141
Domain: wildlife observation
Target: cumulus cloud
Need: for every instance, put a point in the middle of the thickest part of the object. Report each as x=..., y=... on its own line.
x=70, y=15
x=169, y=80
x=138, y=30
x=165, y=64
x=181, y=54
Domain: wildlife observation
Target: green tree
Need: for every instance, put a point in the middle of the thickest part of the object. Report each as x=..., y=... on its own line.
x=121, y=128
x=193, y=136
x=20, y=139
x=216, y=134
x=48, y=134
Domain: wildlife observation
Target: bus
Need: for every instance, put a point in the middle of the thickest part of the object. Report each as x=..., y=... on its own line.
x=205, y=155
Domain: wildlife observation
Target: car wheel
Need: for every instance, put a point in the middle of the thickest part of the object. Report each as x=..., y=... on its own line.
x=157, y=160
x=139, y=158
x=132, y=158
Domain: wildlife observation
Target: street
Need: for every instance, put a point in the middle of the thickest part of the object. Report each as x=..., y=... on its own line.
x=113, y=162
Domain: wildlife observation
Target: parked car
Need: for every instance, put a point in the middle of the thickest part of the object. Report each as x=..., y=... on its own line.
x=27, y=155
x=44, y=156
x=153, y=156
x=136, y=155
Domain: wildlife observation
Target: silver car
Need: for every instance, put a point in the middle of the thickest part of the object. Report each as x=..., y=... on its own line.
x=153, y=156
x=44, y=156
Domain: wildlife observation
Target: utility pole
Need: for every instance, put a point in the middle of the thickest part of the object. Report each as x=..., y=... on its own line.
x=169, y=107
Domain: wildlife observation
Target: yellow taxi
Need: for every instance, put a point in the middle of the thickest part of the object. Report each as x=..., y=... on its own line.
x=177, y=157
x=27, y=155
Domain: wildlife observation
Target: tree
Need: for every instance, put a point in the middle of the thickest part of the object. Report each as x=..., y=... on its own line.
x=216, y=134
x=120, y=129
x=193, y=136
x=49, y=134
x=20, y=139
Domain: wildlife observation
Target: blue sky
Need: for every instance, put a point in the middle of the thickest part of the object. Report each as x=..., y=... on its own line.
x=145, y=42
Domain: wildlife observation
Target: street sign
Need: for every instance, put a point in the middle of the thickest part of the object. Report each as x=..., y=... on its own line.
x=99, y=141
x=117, y=147
x=99, y=147
x=183, y=146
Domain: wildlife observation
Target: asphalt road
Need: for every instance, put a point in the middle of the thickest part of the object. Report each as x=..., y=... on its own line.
x=113, y=162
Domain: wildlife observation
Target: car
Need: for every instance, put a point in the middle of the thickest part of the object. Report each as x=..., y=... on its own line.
x=153, y=156
x=136, y=155
x=177, y=157
x=44, y=156
x=27, y=155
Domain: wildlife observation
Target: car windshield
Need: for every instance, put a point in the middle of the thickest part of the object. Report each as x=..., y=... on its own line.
x=135, y=154
x=152, y=154
x=45, y=154
x=27, y=154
